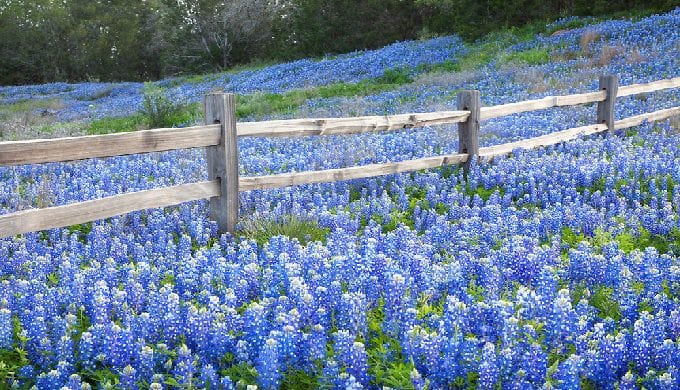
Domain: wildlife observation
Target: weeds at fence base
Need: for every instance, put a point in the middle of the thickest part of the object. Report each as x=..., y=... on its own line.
x=263, y=229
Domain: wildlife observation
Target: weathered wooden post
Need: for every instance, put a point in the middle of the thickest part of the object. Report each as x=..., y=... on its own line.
x=223, y=159
x=605, y=109
x=468, y=131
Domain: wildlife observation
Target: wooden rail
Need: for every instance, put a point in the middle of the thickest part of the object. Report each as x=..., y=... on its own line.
x=541, y=104
x=90, y=210
x=96, y=146
x=361, y=124
x=220, y=133
x=339, y=174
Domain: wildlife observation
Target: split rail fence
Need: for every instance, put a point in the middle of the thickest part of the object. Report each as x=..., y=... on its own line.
x=221, y=131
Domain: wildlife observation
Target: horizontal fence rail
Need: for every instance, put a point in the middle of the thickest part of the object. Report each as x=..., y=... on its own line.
x=76, y=213
x=541, y=104
x=654, y=86
x=334, y=126
x=220, y=132
x=110, y=145
x=339, y=174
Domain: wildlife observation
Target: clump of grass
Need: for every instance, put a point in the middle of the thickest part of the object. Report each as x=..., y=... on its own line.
x=607, y=54
x=587, y=38
x=32, y=105
x=159, y=110
x=535, y=56
x=110, y=125
x=263, y=229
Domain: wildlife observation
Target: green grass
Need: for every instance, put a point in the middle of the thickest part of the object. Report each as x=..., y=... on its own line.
x=627, y=241
x=305, y=231
x=536, y=56
x=268, y=104
x=110, y=125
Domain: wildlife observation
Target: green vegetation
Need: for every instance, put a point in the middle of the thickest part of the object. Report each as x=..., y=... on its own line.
x=386, y=362
x=159, y=110
x=537, y=56
x=627, y=241
x=261, y=230
x=267, y=104
x=242, y=374
x=110, y=125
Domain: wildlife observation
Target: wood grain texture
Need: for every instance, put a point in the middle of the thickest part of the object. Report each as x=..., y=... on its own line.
x=223, y=159
x=359, y=172
x=605, y=109
x=468, y=131
x=635, y=89
x=540, y=104
x=91, y=210
x=333, y=126
x=649, y=117
x=544, y=140
x=95, y=146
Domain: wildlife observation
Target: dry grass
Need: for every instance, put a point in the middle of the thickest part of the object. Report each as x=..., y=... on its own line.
x=587, y=38
x=675, y=124
x=607, y=54
x=635, y=57
x=453, y=79
x=29, y=119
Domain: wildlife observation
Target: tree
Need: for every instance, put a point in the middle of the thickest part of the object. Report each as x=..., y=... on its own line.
x=203, y=34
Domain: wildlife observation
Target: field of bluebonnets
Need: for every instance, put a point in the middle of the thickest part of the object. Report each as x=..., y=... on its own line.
x=554, y=268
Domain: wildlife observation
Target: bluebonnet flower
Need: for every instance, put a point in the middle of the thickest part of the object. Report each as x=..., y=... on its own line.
x=268, y=365
x=488, y=369
x=6, y=329
x=185, y=366
x=128, y=377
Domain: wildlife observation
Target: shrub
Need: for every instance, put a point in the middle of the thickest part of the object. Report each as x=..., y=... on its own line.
x=159, y=110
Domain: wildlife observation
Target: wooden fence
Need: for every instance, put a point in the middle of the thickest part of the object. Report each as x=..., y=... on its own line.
x=221, y=131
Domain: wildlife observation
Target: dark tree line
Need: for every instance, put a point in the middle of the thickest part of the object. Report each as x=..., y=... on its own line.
x=76, y=40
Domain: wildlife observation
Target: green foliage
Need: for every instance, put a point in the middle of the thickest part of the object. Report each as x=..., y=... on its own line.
x=392, y=77
x=104, y=378
x=627, y=240
x=11, y=360
x=386, y=362
x=299, y=380
x=607, y=307
x=81, y=230
x=481, y=191
x=168, y=278
x=267, y=104
x=241, y=374
x=110, y=125
x=261, y=230
x=571, y=238
x=536, y=56
x=161, y=111
x=473, y=19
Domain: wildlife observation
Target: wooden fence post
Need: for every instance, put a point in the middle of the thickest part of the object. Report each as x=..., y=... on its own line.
x=223, y=159
x=468, y=131
x=605, y=109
